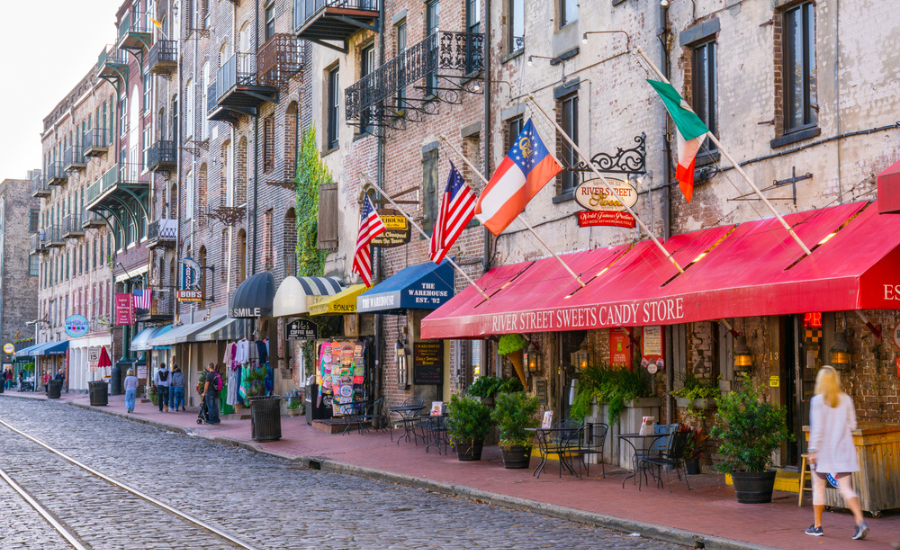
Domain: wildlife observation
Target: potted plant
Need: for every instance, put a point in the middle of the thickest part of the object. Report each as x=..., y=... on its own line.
x=750, y=430
x=616, y=388
x=468, y=423
x=486, y=388
x=513, y=413
x=696, y=394
x=693, y=450
x=154, y=397
x=295, y=408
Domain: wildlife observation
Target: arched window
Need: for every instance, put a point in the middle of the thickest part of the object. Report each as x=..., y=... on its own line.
x=202, y=190
x=241, y=257
x=289, y=238
x=240, y=176
x=203, y=286
x=189, y=196
x=173, y=202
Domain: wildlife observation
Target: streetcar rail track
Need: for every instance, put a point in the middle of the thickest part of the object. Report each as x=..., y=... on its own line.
x=69, y=536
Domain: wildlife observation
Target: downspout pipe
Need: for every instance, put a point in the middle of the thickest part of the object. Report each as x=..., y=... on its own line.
x=663, y=35
x=488, y=129
x=255, y=151
x=376, y=265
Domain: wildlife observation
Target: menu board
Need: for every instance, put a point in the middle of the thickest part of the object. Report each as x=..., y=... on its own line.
x=302, y=330
x=428, y=363
x=341, y=374
x=540, y=390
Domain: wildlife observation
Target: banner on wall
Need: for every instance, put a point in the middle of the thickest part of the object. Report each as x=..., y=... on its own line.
x=619, y=349
x=124, y=309
x=652, y=349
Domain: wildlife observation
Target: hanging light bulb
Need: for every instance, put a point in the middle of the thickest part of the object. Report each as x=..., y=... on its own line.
x=584, y=38
x=664, y=3
x=530, y=61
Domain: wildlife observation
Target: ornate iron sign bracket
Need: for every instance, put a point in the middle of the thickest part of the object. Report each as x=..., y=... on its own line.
x=623, y=161
x=228, y=215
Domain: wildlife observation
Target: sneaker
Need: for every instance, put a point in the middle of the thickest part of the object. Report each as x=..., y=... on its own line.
x=861, y=531
x=815, y=531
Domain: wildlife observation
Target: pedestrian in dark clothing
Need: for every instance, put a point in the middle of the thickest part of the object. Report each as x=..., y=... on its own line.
x=162, y=381
x=177, y=389
x=211, y=393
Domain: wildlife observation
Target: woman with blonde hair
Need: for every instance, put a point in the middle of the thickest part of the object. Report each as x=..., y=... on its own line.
x=131, y=386
x=832, y=418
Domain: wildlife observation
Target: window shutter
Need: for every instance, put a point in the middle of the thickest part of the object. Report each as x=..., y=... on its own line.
x=328, y=216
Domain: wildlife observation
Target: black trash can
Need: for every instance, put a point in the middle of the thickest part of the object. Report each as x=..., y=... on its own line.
x=54, y=389
x=99, y=392
x=2, y=385
x=265, y=418
x=117, y=375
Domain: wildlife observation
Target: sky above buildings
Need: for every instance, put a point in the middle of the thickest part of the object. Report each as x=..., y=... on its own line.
x=45, y=49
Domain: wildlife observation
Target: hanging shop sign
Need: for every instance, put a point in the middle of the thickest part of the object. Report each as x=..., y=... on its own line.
x=428, y=363
x=190, y=295
x=9, y=348
x=124, y=309
x=76, y=326
x=595, y=196
x=302, y=330
x=190, y=274
x=619, y=349
x=605, y=219
x=398, y=230
x=652, y=349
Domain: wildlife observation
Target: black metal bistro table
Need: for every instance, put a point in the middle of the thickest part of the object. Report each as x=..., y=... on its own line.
x=409, y=415
x=436, y=429
x=564, y=442
x=357, y=406
x=642, y=445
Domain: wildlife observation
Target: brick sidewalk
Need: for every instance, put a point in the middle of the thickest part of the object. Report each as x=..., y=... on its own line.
x=708, y=509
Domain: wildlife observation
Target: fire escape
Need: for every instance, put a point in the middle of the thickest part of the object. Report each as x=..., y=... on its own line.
x=331, y=23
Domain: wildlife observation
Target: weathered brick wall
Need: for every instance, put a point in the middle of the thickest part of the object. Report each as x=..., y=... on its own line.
x=19, y=288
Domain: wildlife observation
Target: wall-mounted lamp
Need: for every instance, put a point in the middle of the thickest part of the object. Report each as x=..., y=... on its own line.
x=531, y=59
x=840, y=351
x=532, y=358
x=743, y=357
x=664, y=3
x=584, y=37
x=581, y=356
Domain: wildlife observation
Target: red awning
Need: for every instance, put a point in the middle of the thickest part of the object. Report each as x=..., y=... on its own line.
x=752, y=269
x=889, y=190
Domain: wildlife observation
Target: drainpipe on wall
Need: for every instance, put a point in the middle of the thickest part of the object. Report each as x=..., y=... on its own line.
x=667, y=203
x=255, y=148
x=486, y=248
x=376, y=265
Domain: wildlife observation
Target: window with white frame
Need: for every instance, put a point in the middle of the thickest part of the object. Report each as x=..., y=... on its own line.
x=189, y=109
x=204, y=122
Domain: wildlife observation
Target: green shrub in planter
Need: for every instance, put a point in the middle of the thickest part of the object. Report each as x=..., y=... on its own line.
x=612, y=387
x=487, y=386
x=513, y=413
x=468, y=423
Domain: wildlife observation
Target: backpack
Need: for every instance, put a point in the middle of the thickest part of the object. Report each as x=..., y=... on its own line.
x=163, y=375
x=218, y=382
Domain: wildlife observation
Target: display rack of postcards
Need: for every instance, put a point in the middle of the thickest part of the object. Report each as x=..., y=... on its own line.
x=341, y=374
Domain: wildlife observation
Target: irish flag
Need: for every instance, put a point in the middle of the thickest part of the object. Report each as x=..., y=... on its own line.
x=691, y=133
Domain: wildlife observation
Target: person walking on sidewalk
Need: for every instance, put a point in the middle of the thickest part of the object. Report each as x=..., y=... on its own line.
x=211, y=393
x=161, y=379
x=131, y=386
x=832, y=418
x=176, y=389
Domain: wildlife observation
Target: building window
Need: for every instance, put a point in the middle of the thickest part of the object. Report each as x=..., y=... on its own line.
x=704, y=89
x=268, y=143
x=366, y=66
x=189, y=109
x=34, y=220
x=270, y=20
x=401, y=67
x=568, y=12
x=473, y=26
x=148, y=139
x=431, y=28
x=516, y=25
x=148, y=104
x=800, y=104
x=514, y=128
x=334, y=102
x=123, y=115
x=430, y=189
x=568, y=115
x=34, y=265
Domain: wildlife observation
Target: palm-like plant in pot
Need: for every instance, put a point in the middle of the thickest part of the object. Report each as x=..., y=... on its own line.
x=514, y=413
x=750, y=430
x=468, y=423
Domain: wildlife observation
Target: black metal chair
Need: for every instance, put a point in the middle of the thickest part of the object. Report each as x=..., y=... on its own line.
x=372, y=413
x=673, y=458
x=593, y=444
x=410, y=419
x=564, y=441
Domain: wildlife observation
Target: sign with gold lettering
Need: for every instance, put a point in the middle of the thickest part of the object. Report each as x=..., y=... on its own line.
x=398, y=231
x=595, y=196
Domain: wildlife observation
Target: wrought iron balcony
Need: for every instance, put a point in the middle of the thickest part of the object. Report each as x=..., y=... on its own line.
x=39, y=187
x=211, y=101
x=52, y=237
x=55, y=174
x=95, y=143
x=162, y=156
x=334, y=20
x=135, y=31
x=163, y=57
x=73, y=159
x=238, y=90
x=112, y=63
x=91, y=219
x=120, y=184
x=162, y=232
x=37, y=244
x=162, y=306
x=280, y=58
x=443, y=55
x=71, y=226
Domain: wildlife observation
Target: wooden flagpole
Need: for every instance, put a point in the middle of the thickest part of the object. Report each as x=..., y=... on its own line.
x=609, y=187
x=519, y=217
x=737, y=166
x=421, y=232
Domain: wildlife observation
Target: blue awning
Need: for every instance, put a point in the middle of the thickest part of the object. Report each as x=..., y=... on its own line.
x=28, y=352
x=141, y=342
x=51, y=348
x=423, y=286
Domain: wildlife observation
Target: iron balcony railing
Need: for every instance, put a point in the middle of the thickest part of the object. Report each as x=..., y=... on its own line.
x=280, y=58
x=37, y=244
x=134, y=22
x=211, y=100
x=161, y=155
x=95, y=141
x=39, y=187
x=51, y=236
x=304, y=10
x=73, y=158
x=162, y=230
x=55, y=173
x=452, y=51
x=72, y=224
x=120, y=174
x=240, y=70
x=162, y=303
x=163, y=56
x=111, y=55
x=90, y=218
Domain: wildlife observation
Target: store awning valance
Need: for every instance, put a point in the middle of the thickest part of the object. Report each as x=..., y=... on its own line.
x=889, y=189
x=51, y=348
x=423, y=286
x=226, y=329
x=747, y=270
x=296, y=294
x=29, y=351
x=183, y=333
x=338, y=304
x=141, y=342
x=254, y=297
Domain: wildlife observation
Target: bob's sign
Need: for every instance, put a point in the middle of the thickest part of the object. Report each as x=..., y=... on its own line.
x=594, y=195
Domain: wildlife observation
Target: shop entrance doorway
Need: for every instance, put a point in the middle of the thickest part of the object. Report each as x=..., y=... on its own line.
x=802, y=357
x=569, y=343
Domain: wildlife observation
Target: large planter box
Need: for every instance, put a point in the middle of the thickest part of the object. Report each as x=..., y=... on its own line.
x=614, y=451
x=705, y=404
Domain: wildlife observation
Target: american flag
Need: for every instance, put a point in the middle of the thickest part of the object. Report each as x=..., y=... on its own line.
x=370, y=226
x=142, y=299
x=457, y=209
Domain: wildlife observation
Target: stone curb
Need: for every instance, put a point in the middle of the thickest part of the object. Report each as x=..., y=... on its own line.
x=647, y=530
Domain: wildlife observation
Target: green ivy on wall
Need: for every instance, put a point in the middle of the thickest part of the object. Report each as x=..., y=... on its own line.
x=311, y=173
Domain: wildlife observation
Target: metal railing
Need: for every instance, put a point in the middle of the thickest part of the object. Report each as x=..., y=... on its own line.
x=55, y=172
x=161, y=303
x=304, y=10
x=240, y=70
x=38, y=185
x=95, y=138
x=50, y=235
x=37, y=244
x=73, y=158
x=456, y=51
x=72, y=224
x=162, y=230
x=111, y=55
x=211, y=100
x=134, y=22
x=128, y=173
x=161, y=153
x=89, y=217
x=163, y=51
x=280, y=58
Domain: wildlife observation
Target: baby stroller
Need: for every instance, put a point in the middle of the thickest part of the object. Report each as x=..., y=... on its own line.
x=203, y=415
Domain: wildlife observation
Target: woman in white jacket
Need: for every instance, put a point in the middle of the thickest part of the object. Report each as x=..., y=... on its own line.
x=832, y=418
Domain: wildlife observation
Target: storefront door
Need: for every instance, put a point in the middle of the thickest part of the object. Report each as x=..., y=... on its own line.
x=802, y=357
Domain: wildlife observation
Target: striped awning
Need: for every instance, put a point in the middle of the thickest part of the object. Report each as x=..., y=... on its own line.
x=296, y=294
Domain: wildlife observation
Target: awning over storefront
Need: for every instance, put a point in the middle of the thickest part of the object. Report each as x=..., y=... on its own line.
x=752, y=269
x=338, y=304
x=28, y=352
x=423, y=286
x=296, y=294
x=225, y=329
x=253, y=297
x=47, y=348
x=183, y=333
x=889, y=190
x=141, y=342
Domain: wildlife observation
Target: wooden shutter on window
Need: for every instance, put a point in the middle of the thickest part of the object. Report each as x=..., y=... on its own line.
x=328, y=216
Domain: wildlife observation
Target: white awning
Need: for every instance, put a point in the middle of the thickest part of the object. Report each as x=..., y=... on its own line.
x=296, y=294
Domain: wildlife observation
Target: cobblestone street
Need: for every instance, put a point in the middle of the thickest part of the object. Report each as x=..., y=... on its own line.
x=262, y=500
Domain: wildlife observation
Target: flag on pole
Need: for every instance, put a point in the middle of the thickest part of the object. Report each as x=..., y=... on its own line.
x=157, y=23
x=142, y=298
x=691, y=133
x=457, y=210
x=523, y=173
x=370, y=226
